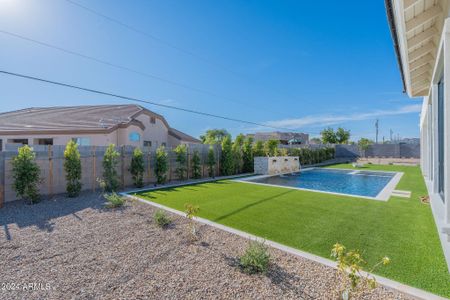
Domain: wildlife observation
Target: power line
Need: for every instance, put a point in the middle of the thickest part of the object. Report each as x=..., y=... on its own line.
x=138, y=100
x=125, y=68
x=163, y=42
x=101, y=61
x=151, y=36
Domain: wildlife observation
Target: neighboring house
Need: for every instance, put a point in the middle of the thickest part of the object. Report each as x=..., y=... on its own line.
x=421, y=34
x=285, y=138
x=96, y=125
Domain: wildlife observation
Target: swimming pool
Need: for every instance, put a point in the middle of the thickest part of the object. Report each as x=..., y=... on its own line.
x=371, y=184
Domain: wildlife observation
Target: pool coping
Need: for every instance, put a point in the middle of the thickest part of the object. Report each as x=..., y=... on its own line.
x=388, y=283
x=383, y=195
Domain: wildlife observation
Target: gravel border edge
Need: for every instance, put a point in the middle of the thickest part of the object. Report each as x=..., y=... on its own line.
x=409, y=290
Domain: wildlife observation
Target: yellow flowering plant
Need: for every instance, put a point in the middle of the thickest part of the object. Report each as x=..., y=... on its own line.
x=353, y=282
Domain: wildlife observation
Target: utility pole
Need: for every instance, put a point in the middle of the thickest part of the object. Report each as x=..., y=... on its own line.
x=376, y=131
x=391, y=133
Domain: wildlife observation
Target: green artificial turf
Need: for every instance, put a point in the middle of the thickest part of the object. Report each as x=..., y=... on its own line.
x=402, y=229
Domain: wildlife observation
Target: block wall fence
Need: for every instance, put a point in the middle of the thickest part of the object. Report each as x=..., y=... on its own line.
x=51, y=162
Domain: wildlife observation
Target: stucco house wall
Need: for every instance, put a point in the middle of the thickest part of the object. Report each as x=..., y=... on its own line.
x=148, y=126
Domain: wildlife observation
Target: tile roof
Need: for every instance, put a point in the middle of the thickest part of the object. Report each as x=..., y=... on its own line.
x=67, y=118
x=183, y=136
x=95, y=118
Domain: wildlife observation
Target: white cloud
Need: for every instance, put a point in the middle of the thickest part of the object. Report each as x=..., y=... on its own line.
x=330, y=119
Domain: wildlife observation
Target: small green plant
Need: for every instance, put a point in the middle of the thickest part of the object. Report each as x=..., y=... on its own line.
x=180, y=152
x=350, y=264
x=137, y=168
x=271, y=147
x=101, y=184
x=191, y=211
x=114, y=200
x=161, y=218
x=255, y=259
x=211, y=161
x=110, y=163
x=72, y=166
x=161, y=165
x=196, y=165
x=26, y=174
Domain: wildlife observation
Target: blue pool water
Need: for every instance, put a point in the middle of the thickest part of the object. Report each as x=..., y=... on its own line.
x=359, y=183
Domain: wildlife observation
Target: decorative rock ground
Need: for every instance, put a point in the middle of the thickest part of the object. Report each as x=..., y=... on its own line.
x=84, y=251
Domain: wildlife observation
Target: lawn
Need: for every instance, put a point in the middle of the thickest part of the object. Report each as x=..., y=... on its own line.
x=402, y=229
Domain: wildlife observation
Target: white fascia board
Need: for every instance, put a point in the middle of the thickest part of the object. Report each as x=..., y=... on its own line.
x=401, y=36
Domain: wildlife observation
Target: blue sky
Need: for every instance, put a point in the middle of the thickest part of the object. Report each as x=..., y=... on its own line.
x=297, y=64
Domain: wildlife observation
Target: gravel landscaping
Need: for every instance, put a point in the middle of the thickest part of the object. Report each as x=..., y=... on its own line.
x=76, y=248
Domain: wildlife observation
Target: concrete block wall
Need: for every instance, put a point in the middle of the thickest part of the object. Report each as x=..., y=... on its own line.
x=379, y=150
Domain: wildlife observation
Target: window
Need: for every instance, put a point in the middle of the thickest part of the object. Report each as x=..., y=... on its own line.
x=82, y=141
x=134, y=137
x=43, y=142
x=1, y=145
x=440, y=141
x=147, y=143
x=18, y=141
x=152, y=120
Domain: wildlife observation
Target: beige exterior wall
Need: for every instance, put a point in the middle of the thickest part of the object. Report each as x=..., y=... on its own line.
x=62, y=139
x=157, y=133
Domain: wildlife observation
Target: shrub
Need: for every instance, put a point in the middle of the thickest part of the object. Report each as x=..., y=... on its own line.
x=350, y=263
x=271, y=147
x=180, y=152
x=247, y=155
x=26, y=174
x=114, y=200
x=72, y=167
x=161, y=165
x=227, y=164
x=196, y=165
x=255, y=259
x=283, y=152
x=110, y=163
x=211, y=161
x=258, y=149
x=214, y=136
x=161, y=218
x=191, y=211
x=137, y=168
x=237, y=153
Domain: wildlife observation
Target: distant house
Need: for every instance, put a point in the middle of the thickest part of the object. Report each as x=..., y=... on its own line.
x=97, y=125
x=285, y=138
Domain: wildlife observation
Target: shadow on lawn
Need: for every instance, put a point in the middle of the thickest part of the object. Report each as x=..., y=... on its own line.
x=44, y=212
x=251, y=205
x=163, y=191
